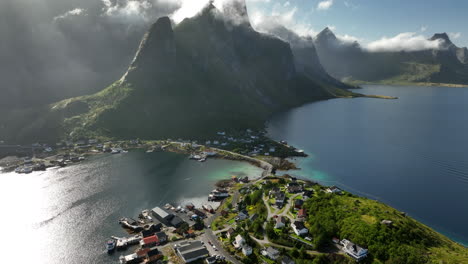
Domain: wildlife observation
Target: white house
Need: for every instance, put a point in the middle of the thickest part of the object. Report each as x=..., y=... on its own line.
x=271, y=253
x=246, y=250
x=280, y=222
x=299, y=228
x=333, y=189
x=353, y=250
x=238, y=241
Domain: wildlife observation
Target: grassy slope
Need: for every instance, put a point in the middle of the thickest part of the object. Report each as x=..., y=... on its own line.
x=80, y=121
x=358, y=219
x=409, y=73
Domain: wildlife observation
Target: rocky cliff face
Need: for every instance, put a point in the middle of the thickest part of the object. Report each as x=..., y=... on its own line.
x=210, y=72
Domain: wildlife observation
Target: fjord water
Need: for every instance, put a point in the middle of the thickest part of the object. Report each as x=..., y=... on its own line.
x=66, y=215
x=411, y=153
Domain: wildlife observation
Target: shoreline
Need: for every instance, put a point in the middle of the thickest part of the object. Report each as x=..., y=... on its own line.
x=430, y=84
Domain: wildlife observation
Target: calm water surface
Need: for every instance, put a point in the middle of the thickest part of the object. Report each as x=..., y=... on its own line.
x=65, y=215
x=411, y=153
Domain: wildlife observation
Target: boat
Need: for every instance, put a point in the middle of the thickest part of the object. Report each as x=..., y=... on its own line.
x=202, y=160
x=116, y=150
x=110, y=245
x=24, y=170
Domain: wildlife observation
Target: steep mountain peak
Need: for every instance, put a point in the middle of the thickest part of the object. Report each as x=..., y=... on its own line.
x=157, y=50
x=442, y=36
x=326, y=35
x=236, y=11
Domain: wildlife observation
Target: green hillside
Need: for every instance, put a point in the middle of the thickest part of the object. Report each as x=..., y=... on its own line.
x=359, y=220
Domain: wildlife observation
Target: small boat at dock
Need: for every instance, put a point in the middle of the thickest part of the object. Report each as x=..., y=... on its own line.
x=110, y=246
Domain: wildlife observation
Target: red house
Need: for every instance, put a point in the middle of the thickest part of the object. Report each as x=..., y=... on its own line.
x=149, y=242
x=302, y=213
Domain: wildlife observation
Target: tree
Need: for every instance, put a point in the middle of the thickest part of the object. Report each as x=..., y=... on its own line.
x=295, y=253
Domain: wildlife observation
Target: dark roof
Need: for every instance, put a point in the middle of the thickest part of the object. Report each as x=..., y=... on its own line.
x=287, y=260
x=195, y=253
x=253, y=217
x=176, y=221
x=308, y=193
x=211, y=259
x=299, y=202
x=280, y=195
x=190, y=246
x=153, y=252
x=161, y=235
x=299, y=225
x=147, y=233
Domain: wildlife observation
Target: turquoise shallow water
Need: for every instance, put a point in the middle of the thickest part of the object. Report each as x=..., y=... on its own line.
x=72, y=211
x=411, y=153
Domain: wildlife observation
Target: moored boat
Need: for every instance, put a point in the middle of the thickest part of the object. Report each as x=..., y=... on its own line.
x=110, y=245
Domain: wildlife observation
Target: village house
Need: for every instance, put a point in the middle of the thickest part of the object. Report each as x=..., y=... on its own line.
x=242, y=215
x=302, y=214
x=238, y=241
x=149, y=242
x=153, y=256
x=286, y=260
x=246, y=250
x=294, y=187
x=253, y=217
x=298, y=203
x=353, y=250
x=191, y=251
x=299, y=228
x=230, y=232
x=162, y=237
x=280, y=222
x=280, y=198
x=307, y=194
x=274, y=191
x=271, y=253
x=333, y=189
x=386, y=222
x=211, y=260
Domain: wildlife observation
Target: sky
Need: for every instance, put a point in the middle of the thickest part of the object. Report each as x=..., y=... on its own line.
x=370, y=20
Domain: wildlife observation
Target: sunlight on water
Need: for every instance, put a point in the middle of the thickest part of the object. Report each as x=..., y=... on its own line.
x=22, y=198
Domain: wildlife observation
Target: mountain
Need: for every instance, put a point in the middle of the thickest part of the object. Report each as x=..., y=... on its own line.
x=209, y=72
x=306, y=59
x=349, y=61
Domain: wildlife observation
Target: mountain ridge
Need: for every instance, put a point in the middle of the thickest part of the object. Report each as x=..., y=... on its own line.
x=207, y=73
x=349, y=61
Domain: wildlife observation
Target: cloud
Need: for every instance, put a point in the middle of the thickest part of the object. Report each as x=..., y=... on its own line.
x=280, y=15
x=351, y=5
x=349, y=39
x=407, y=41
x=454, y=35
x=324, y=5
x=423, y=29
x=74, y=12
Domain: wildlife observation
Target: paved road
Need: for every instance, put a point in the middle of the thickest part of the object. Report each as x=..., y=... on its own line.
x=212, y=237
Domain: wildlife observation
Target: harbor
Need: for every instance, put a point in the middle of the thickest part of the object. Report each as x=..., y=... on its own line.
x=86, y=200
